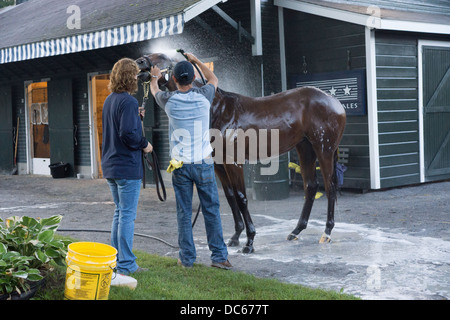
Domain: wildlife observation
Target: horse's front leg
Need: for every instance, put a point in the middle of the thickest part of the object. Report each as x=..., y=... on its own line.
x=238, y=222
x=310, y=194
x=231, y=199
x=236, y=176
x=249, y=226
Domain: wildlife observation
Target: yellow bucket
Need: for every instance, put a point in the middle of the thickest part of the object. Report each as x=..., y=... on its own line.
x=89, y=269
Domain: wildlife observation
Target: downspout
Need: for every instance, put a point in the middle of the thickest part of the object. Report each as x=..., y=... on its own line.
x=255, y=14
x=372, y=109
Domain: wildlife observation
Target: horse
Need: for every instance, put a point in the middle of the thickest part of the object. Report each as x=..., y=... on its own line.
x=305, y=118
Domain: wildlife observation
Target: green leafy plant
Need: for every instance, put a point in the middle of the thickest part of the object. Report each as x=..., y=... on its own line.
x=27, y=247
x=15, y=272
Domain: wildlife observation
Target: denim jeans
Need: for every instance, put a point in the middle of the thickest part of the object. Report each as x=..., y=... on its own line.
x=183, y=180
x=125, y=195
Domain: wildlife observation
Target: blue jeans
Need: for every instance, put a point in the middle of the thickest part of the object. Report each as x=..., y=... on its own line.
x=125, y=195
x=183, y=180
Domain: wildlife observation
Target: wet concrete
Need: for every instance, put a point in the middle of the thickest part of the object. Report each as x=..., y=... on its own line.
x=390, y=244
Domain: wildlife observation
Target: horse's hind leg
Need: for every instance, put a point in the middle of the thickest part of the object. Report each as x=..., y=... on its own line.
x=231, y=198
x=327, y=167
x=307, y=158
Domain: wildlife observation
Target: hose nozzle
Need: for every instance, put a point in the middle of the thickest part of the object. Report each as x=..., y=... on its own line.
x=182, y=52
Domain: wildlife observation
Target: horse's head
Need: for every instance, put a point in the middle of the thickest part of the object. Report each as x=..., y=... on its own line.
x=163, y=62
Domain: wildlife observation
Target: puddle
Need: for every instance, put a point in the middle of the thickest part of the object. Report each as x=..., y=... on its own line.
x=52, y=206
x=367, y=262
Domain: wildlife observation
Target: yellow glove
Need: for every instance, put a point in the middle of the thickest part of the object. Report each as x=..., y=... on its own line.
x=297, y=170
x=174, y=164
x=294, y=166
x=297, y=167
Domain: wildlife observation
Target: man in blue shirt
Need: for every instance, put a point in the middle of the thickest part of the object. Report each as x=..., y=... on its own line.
x=188, y=110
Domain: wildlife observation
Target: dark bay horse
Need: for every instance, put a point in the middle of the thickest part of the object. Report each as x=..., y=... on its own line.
x=307, y=119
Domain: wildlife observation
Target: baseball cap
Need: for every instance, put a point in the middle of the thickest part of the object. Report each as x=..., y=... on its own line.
x=184, y=71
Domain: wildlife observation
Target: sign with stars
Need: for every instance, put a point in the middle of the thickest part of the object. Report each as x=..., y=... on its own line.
x=349, y=87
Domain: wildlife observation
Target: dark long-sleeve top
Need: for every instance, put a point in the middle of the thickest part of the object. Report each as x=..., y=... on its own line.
x=123, y=140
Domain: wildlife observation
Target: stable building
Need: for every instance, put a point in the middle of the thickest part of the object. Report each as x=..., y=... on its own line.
x=395, y=57
x=55, y=61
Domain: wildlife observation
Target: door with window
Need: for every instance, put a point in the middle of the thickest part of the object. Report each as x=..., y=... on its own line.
x=99, y=93
x=39, y=133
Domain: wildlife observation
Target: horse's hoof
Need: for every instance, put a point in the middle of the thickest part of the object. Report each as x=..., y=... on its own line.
x=247, y=249
x=292, y=237
x=326, y=238
x=233, y=243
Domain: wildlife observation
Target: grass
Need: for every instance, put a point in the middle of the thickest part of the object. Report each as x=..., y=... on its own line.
x=165, y=280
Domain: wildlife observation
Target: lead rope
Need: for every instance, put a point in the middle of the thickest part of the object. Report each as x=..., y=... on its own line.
x=145, y=87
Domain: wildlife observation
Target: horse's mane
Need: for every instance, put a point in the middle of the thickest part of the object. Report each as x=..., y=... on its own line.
x=198, y=84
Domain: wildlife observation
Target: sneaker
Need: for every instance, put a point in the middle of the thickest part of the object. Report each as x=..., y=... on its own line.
x=222, y=265
x=121, y=280
x=182, y=265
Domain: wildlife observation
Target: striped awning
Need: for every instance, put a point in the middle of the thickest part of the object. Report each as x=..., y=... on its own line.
x=95, y=40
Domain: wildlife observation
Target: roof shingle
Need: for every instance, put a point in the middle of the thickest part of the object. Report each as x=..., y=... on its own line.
x=38, y=20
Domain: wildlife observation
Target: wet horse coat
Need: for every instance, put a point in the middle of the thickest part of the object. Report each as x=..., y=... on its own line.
x=307, y=119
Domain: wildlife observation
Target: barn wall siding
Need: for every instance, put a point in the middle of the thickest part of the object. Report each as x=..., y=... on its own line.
x=317, y=45
x=397, y=94
x=81, y=121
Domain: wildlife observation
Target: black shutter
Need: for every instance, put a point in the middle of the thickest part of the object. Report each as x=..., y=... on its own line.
x=60, y=121
x=6, y=130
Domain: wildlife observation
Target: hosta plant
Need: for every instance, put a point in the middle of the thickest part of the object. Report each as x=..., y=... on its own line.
x=27, y=247
x=15, y=273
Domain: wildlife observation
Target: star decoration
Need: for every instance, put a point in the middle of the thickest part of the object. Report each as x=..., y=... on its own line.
x=347, y=90
x=333, y=91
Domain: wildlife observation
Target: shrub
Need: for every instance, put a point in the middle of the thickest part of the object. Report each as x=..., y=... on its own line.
x=15, y=272
x=27, y=246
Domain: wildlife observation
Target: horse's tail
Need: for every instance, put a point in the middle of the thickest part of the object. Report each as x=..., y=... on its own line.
x=338, y=172
x=336, y=155
x=335, y=174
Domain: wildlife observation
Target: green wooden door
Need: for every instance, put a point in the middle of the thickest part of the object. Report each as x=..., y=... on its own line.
x=6, y=130
x=436, y=112
x=60, y=122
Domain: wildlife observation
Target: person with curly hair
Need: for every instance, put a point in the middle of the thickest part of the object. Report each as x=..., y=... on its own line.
x=122, y=147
